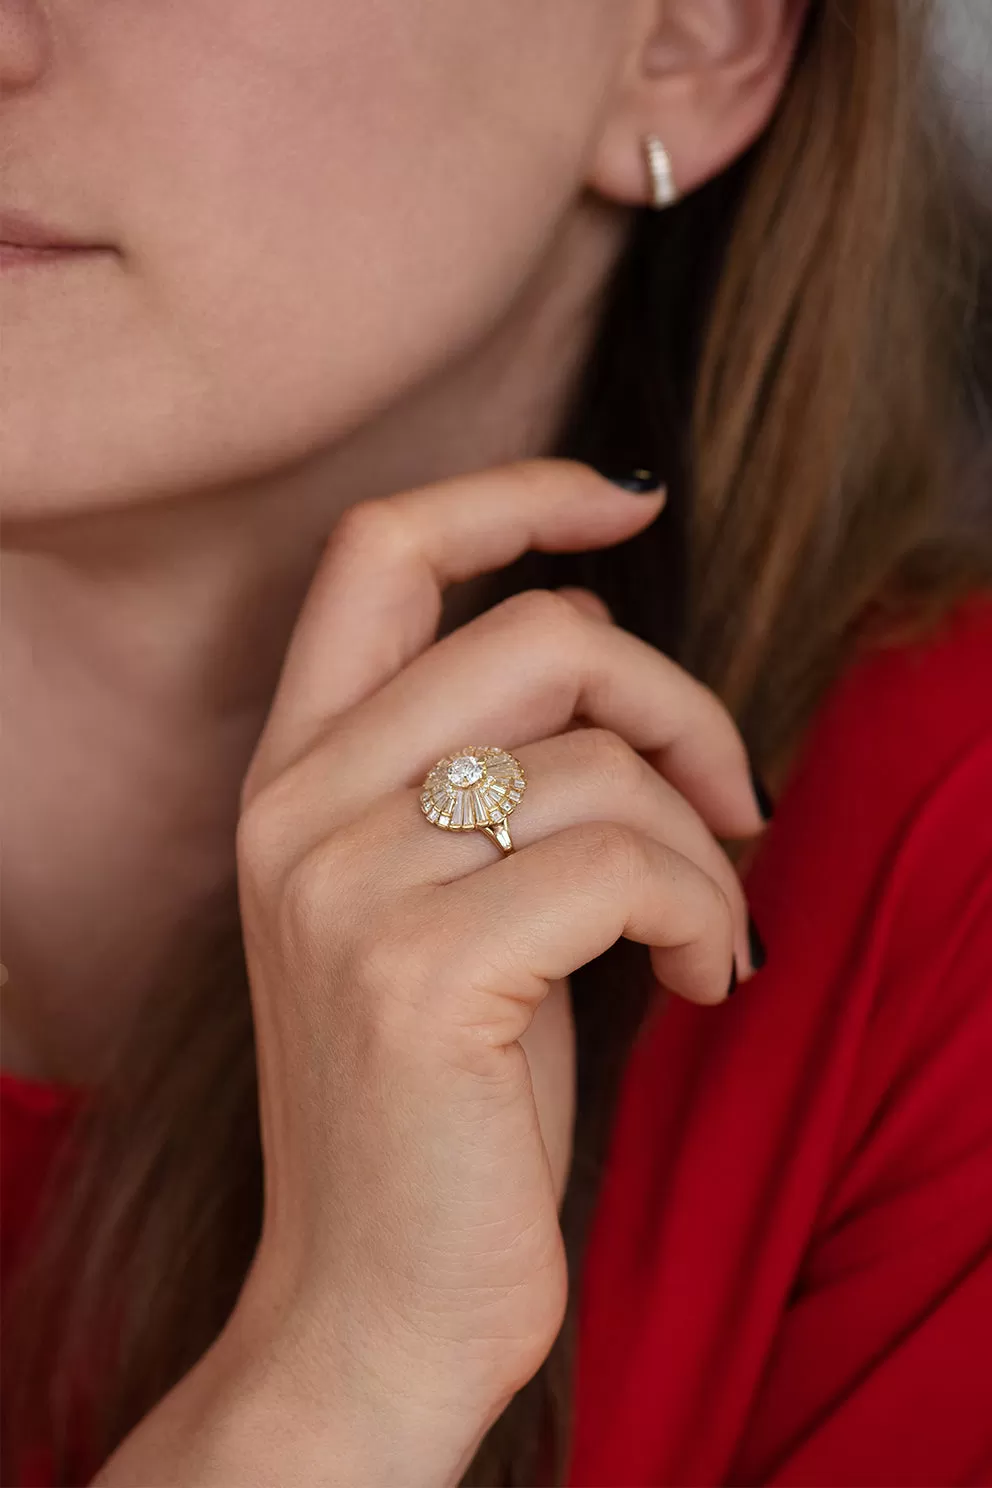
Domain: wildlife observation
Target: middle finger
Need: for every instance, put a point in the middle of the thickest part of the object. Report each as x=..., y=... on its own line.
x=582, y=776
x=516, y=674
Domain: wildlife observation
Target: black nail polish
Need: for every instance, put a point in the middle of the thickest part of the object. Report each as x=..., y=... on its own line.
x=762, y=795
x=757, y=946
x=641, y=482
x=733, y=981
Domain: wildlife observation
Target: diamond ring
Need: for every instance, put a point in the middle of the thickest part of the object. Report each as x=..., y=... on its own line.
x=475, y=790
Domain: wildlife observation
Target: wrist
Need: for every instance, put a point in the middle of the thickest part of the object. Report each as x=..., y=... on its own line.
x=314, y=1414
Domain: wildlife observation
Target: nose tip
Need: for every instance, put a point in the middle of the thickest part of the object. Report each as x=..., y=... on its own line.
x=24, y=44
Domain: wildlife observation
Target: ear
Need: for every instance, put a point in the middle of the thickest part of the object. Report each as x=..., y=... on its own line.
x=705, y=77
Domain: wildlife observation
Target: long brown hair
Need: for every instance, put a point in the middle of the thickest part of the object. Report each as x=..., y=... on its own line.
x=789, y=346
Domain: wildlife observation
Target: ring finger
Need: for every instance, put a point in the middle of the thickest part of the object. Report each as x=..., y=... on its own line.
x=579, y=777
x=521, y=672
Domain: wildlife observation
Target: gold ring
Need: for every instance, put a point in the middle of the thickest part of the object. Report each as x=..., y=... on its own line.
x=475, y=789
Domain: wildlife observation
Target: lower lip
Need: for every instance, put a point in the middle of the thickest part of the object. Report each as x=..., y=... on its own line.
x=23, y=256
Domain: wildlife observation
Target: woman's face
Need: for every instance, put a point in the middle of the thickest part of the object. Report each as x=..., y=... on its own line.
x=312, y=204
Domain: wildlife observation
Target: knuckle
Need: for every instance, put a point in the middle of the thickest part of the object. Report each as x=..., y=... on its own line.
x=588, y=603
x=312, y=894
x=261, y=833
x=542, y=612
x=616, y=850
x=375, y=526
x=605, y=755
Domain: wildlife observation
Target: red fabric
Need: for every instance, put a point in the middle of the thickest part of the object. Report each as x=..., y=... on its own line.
x=790, y=1275
x=35, y=1119
x=35, y=1115
x=789, y=1278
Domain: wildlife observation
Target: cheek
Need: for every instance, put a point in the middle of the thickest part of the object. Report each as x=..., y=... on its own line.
x=318, y=204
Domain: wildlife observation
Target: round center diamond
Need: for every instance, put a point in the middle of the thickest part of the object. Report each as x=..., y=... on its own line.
x=464, y=771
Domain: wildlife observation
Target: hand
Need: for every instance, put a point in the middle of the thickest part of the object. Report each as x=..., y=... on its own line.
x=409, y=986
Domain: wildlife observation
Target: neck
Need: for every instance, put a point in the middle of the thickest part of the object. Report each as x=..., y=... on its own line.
x=142, y=647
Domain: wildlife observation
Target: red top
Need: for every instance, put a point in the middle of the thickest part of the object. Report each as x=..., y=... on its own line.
x=789, y=1277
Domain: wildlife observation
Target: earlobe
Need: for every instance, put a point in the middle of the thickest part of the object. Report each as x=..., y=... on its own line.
x=709, y=76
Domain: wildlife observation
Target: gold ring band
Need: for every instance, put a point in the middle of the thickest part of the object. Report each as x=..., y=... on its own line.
x=475, y=789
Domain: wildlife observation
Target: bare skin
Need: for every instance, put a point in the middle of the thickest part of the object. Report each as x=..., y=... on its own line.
x=154, y=565
x=370, y=274
x=412, y=1008
x=154, y=637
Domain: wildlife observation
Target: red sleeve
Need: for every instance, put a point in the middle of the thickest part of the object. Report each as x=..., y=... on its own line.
x=36, y=1117
x=789, y=1278
x=880, y=1371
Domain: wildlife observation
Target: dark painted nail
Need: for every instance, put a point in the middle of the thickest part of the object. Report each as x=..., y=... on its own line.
x=762, y=795
x=641, y=482
x=733, y=981
x=758, y=953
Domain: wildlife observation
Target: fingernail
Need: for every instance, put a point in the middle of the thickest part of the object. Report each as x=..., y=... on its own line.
x=762, y=795
x=756, y=945
x=640, y=482
x=733, y=981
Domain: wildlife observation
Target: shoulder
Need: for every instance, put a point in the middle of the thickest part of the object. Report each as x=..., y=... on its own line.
x=903, y=718
x=873, y=887
x=876, y=883
x=892, y=790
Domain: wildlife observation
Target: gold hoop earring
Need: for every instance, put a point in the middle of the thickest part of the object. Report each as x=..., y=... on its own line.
x=663, y=189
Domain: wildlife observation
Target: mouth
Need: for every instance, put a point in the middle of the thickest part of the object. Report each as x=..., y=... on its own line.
x=27, y=241
x=17, y=255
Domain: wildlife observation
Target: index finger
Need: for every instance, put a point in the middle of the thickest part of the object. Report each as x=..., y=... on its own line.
x=376, y=599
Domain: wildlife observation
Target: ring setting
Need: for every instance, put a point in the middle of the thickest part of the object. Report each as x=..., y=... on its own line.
x=475, y=789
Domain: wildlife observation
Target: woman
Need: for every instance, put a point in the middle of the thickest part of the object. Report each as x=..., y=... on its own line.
x=284, y=535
